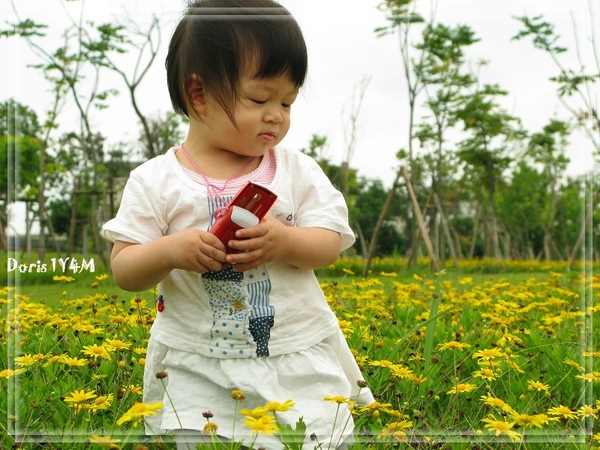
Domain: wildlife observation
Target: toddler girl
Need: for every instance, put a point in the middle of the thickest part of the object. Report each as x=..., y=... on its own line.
x=254, y=319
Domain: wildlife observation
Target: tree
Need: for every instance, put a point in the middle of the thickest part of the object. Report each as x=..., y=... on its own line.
x=19, y=158
x=521, y=208
x=486, y=151
x=441, y=70
x=369, y=201
x=74, y=69
x=401, y=18
x=575, y=89
x=576, y=84
x=547, y=148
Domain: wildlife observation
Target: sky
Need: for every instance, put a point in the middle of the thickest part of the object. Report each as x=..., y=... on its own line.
x=343, y=50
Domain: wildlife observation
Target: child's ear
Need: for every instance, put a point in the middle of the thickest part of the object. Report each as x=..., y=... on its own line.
x=196, y=93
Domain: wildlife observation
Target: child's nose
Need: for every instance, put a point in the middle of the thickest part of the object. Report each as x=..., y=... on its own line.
x=274, y=115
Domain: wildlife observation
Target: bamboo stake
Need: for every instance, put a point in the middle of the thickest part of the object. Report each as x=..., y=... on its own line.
x=420, y=220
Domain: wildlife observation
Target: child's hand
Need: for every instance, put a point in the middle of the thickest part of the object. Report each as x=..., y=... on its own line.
x=195, y=251
x=260, y=244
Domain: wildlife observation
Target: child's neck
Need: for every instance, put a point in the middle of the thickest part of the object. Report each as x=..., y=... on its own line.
x=220, y=164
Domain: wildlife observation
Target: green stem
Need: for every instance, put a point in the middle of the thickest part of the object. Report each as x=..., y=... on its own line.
x=175, y=411
x=430, y=331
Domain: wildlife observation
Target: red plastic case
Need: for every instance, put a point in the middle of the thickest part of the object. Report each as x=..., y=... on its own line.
x=246, y=209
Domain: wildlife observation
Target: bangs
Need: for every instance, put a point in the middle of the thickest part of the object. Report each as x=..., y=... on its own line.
x=274, y=51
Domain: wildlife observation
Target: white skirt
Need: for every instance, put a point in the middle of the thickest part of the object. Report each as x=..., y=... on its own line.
x=197, y=384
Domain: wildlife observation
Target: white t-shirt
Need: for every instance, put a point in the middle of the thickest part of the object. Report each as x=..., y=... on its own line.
x=272, y=310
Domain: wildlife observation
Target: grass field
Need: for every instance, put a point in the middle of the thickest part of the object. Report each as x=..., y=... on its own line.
x=487, y=356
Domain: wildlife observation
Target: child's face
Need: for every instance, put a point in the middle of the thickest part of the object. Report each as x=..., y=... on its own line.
x=262, y=116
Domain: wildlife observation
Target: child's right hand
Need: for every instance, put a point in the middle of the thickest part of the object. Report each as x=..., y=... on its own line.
x=195, y=251
x=137, y=267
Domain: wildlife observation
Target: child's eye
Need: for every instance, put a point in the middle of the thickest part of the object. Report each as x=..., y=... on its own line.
x=258, y=102
x=286, y=105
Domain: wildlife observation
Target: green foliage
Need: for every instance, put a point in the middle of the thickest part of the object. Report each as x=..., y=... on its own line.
x=369, y=202
x=425, y=369
x=19, y=158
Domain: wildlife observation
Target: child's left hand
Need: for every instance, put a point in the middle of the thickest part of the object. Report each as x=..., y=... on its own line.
x=259, y=244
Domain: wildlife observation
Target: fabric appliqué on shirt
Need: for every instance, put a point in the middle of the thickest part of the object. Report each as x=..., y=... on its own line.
x=242, y=316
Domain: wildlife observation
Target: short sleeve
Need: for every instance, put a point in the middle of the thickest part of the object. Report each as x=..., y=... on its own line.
x=323, y=206
x=139, y=218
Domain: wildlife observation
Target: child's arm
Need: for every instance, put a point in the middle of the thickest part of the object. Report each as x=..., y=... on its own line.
x=303, y=247
x=137, y=267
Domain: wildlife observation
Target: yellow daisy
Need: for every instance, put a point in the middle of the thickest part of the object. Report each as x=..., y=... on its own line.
x=138, y=411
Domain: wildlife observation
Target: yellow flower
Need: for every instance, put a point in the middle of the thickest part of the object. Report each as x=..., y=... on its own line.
x=135, y=389
x=418, y=379
x=63, y=278
x=138, y=302
x=486, y=374
x=73, y=362
x=453, y=345
x=80, y=396
x=262, y=425
x=254, y=413
x=7, y=373
x=574, y=364
x=345, y=327
x=529, y=421
x=462, y=387
x=501, y=427
x=339, y=399
x=465, y=280
x=382, y=363
x=279, y=407
x=210, y=428
x=102, y=403
x=54, y=359
x=563, y=411
x=537, y=385
x=96, y=351
x=401, y=372
x=498, y=403
x=238, y=396
x=102, y=277
x=28, y=360
x=587, y=411
x=395, y=430
x=138, y=411
x=117, y=344
x=488, y=354
x=105, y=441
x=593, y=377
x=88, y=328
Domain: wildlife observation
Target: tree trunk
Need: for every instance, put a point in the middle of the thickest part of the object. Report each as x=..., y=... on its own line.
x=73, y=224
x=446, y=229
x=42, y=204
x=420, y=220
x=379, y=224
x=475, y=232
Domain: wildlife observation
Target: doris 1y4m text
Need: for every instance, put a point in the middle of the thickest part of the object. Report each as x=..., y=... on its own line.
x=60, y=265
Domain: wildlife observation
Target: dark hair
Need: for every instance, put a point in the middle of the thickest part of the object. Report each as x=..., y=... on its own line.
x=218, y=39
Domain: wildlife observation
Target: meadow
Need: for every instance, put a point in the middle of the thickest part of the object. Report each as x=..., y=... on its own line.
x=488, y=355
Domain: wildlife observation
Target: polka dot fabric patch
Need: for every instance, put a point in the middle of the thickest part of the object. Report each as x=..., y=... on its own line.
x=242, y=316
